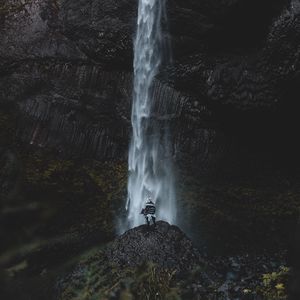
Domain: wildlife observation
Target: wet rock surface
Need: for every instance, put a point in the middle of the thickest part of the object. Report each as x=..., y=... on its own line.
x=165, y=245
x=148, y=253
x=139, y=260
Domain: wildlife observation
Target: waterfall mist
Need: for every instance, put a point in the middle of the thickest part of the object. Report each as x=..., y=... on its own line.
x=150, y=155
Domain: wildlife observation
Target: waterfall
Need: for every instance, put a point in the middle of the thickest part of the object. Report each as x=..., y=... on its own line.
x=150, y=159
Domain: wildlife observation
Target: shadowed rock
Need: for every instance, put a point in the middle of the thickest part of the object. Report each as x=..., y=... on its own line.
x=165, y=245
x=163, y=258
x=67, y=68
x=164, y=254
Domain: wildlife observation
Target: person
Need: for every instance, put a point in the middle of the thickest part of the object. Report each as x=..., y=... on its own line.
x=149, y=212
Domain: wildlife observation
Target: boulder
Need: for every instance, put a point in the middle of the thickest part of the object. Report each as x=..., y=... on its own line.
x=164, y=245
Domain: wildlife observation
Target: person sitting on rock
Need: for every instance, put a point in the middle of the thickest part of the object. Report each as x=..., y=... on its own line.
x=149, y=212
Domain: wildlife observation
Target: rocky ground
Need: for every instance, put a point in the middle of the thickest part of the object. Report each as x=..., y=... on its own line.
x=162, y=263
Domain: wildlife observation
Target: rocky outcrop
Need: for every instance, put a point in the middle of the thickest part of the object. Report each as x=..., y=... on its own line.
x=160, y=262
x=81, y=110
x=227, y=69
x=164, y=245
x=153, y=256
x=65, y=30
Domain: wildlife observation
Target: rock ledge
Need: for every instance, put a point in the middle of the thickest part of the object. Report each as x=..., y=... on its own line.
x=166, y=245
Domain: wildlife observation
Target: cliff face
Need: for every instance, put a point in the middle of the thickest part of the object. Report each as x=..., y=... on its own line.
x=229, y=95
x=67, y=68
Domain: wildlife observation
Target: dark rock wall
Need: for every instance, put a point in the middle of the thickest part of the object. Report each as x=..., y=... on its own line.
x=236, y=62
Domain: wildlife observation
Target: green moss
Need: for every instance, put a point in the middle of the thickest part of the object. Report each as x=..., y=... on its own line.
x=45, y=171
x=109, y=177
x=89, y=193
x=274, y=285
x=96, y=278
x=6, y=9
x=239, y=212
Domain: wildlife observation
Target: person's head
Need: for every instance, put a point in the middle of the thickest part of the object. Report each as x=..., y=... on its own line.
x=149, y=200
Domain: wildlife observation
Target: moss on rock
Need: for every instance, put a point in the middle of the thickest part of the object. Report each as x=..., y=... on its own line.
x=86, y=191
x=238, y=213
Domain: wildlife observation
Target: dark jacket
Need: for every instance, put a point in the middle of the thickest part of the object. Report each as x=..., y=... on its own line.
x=150, y=209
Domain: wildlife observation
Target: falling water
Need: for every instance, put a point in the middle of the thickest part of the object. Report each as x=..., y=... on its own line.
x=150, y=166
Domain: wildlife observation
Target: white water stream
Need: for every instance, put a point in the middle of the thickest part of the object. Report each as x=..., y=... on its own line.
x=150, y=166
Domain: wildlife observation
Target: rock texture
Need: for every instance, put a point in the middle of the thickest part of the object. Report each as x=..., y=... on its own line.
x=163, y=263
x=164, y=245
x=232, y=61
x=143, y=261
x=230, y=97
